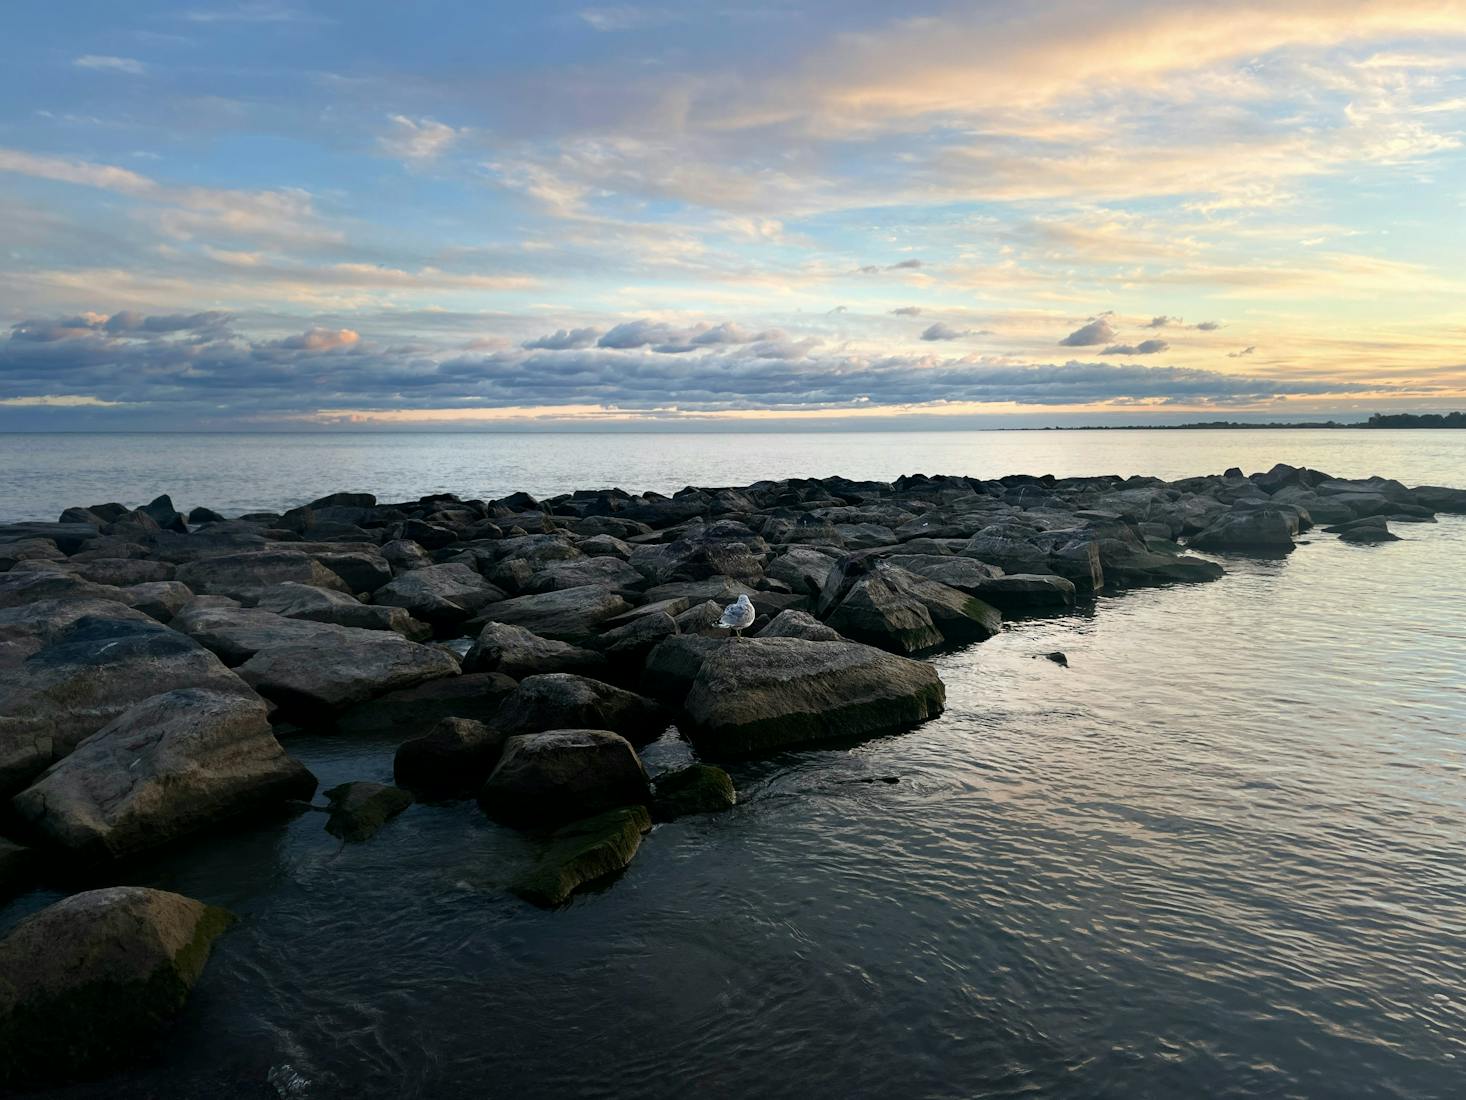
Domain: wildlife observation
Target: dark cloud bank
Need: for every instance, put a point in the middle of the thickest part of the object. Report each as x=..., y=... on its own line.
x=200, y=369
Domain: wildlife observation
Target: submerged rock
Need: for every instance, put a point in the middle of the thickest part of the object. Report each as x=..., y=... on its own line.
x=560, y=775
x=764, y=694
x=698, y=789
x=87, y=984
x=359, y=809
x=584, y=852
x=170, y=766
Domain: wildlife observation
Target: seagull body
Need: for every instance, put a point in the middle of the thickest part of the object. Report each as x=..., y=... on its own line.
x=738, y=616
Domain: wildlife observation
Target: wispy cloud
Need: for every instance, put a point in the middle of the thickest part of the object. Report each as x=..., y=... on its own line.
x=102, y=63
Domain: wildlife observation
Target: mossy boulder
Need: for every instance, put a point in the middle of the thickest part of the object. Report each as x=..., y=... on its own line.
x=583, y=852
x=359, y=809
x=765, y=694
x=698, y=789
x=88, y=983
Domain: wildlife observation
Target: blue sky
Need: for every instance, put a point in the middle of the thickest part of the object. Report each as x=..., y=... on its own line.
x=271, y=214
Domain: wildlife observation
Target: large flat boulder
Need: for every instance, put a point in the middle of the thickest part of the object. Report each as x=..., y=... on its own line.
x=445, y=596
x=18, y=588
x=242, y=576
x=567, y=615
x=765, y=694
x=560, y=775
x=562, y=700
x=325, y=605
x=86, y=674
x=172, y=765
x=87, y=984
x=606, y=571
x=517, y=652
x=1253, y=530
x=347, y=667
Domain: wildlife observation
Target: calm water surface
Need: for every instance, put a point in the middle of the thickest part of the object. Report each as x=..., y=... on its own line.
x=1219, y=855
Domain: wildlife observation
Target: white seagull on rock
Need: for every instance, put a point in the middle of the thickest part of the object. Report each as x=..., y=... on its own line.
x=738, y=616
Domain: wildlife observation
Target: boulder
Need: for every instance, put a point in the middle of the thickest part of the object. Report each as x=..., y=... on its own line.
x=674, y=664
x=361, y=570
x=1253, y=530
x=567, y=615
x=236, y=634
x=26, y=629
x=345, y=667
x=172, y=765
x=702, y=619
x=451, y=759
x=517, y=652
x=87, y=984
x=629, y=644
x=561, y=700
x=81, y=676
x=876, y=611
x=964, y=574
x=204, y=515
x=1363, y=535
x=28, y=550
x=1026, y=592
x=404, y=555
x=243, y=576
x=799, y=624
x=18, y=588
x=160, y=600
x=325, y=605
x=608, y=572
x=359, y=809
x=70, y=537
x=414, y=711
x=1440, y=498
x=802, y=568
x=696, y=789
x=583, y=852
x=560, y=775
x=445, y=596
x=17, y=864
x=764, y=694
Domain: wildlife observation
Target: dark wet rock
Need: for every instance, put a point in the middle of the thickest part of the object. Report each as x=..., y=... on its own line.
x=1363, y=535
x=325, y=605
x=161, y=600
x=802, y=568
x=21, y=550
x=562, y=700
x=18, y=588
x=629, y=644
x=1027, y=592
x=1058, y=657
x=698, y=789
x=360, y=570
x=568, y=615
x=88, y=984
x=17, y=866
x=605, y=546
x=404, y=555
x=537, y=551
x=867, y=604
x=341, y=667
x=172, y=765
x=583, y=852
x=80, y=677
x=673, y=665
x=451, y=759
x=411, y=712
x=964, y=574
x=122, y=572
x=360, y=808
x=445, y=596
x=1439, y=498
x=799, y=624
x=1258, y=530
x=608, y=572
x=517, y=652
x=70, y=537
x=563, y=774
x=167, y=517
x=765, y=694
x=243, y=576
x=204, y=515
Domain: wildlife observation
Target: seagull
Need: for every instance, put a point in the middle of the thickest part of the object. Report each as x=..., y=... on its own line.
x=738, y=616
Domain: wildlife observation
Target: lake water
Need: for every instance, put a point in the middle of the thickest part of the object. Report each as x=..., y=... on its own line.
x=1218, y=855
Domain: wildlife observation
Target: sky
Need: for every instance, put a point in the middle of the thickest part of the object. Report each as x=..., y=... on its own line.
x=291, y=214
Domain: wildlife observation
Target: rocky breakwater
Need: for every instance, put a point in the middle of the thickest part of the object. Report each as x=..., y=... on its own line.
x=523, y=653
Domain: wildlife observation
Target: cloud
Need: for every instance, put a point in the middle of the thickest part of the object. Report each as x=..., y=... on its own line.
x=562, y=339
x=258, y=11
x=206, y=371
x=1145, y=347
x=1209, y=326
x=940, y=330
x=102, y=63
x=621, y=17
x=907, y=311
x=903, y=265
x=1239, y=354
x=1161, y=322
x=420, y=139
x=1098, y=331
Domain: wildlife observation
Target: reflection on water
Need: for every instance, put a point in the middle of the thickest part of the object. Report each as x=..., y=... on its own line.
x=1220, y=855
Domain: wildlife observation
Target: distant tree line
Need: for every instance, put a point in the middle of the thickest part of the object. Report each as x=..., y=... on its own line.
x=1417, y=420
